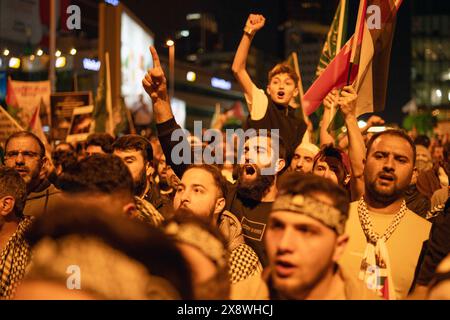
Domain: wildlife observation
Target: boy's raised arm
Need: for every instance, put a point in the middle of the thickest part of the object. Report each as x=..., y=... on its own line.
x=254, y=23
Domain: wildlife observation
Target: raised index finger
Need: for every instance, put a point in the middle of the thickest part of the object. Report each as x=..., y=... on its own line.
x=155, y=57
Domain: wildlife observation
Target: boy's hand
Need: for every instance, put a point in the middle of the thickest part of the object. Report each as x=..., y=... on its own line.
x=255, y=22
x=154, y=82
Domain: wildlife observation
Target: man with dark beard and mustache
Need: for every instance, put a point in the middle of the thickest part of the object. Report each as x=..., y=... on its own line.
x=137, y=153
x=386, y=237
x=252, y=197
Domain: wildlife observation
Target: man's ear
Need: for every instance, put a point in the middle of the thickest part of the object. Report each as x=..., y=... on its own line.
x=46, y=168
x=218, y=208
x=130, y=210
x=220, y=205
x=268, y=90
x=341, y=243
x=295, y=93
x=7, y=205
x=281, y=163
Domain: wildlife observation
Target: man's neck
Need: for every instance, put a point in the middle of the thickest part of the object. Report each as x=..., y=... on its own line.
x=6, y=231
x=391, y=207
x=271, y=193
x=36, y=186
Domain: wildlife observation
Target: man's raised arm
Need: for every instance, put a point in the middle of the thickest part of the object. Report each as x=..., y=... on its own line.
x=357, y=147
x=155, y=85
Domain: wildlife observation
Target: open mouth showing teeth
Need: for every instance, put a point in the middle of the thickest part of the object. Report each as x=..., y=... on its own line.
x=280, y=94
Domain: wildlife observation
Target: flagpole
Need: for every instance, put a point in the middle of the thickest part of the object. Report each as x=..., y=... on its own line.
x=108, y=94
x=343, y=4
x=52, y=47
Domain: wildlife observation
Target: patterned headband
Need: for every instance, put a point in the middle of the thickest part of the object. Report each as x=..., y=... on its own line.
x=194, y=235
x=313, y=208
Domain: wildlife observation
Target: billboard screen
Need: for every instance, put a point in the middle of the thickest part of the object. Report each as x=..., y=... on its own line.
x=135, y=59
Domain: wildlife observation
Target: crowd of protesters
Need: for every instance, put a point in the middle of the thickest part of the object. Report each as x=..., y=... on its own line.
x=362, y=216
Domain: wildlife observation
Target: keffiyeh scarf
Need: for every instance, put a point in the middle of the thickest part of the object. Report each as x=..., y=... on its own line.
x=375, y=268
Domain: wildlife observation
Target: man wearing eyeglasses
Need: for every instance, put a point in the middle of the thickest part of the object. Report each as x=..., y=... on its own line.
x=25, y=153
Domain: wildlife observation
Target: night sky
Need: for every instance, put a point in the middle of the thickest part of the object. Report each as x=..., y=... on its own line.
x=163, y=19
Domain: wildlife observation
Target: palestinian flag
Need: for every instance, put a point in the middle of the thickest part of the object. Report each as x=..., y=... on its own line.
x=364, y=60
x=336, y=38
x=371, y=83
x=342, y=70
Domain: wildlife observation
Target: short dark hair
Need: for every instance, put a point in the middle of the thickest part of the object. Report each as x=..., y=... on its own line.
x=12, y=184
x=27, y=134
x=329, y=150
x=284, y=68
x=396, y=133
x=422, y=140
x=307, y=184
x=103, y=140
x=268, y=133
x=66, y=144
x=103, y=173
x=135, y=142
x=219, y=179
x=64, y=158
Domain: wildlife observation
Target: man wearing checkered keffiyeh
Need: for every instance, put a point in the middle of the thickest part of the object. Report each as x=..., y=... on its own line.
x=15, y=252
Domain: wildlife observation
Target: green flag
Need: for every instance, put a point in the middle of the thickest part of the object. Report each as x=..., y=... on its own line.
x=336, y=38
x=100, y=113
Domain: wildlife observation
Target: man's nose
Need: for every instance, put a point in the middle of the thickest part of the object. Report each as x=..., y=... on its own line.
x=20, y=159
x=389, y=164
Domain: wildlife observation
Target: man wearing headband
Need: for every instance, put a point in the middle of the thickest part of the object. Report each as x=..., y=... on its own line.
x=303, y=159
x=305, y=239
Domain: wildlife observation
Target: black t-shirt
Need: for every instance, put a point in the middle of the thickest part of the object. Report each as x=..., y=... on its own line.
x=253, y=216
x=438, y=246
x=292, y=128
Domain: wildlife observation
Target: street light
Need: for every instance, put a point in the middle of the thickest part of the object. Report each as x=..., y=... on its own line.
x=171, y=44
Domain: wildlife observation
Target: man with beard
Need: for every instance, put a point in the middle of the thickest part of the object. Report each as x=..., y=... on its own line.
x=305, y=239
x=386, y=237
x=251, y=198
x=200, y=193
x=25, y=152
x=303, y=159
x=137, y=153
